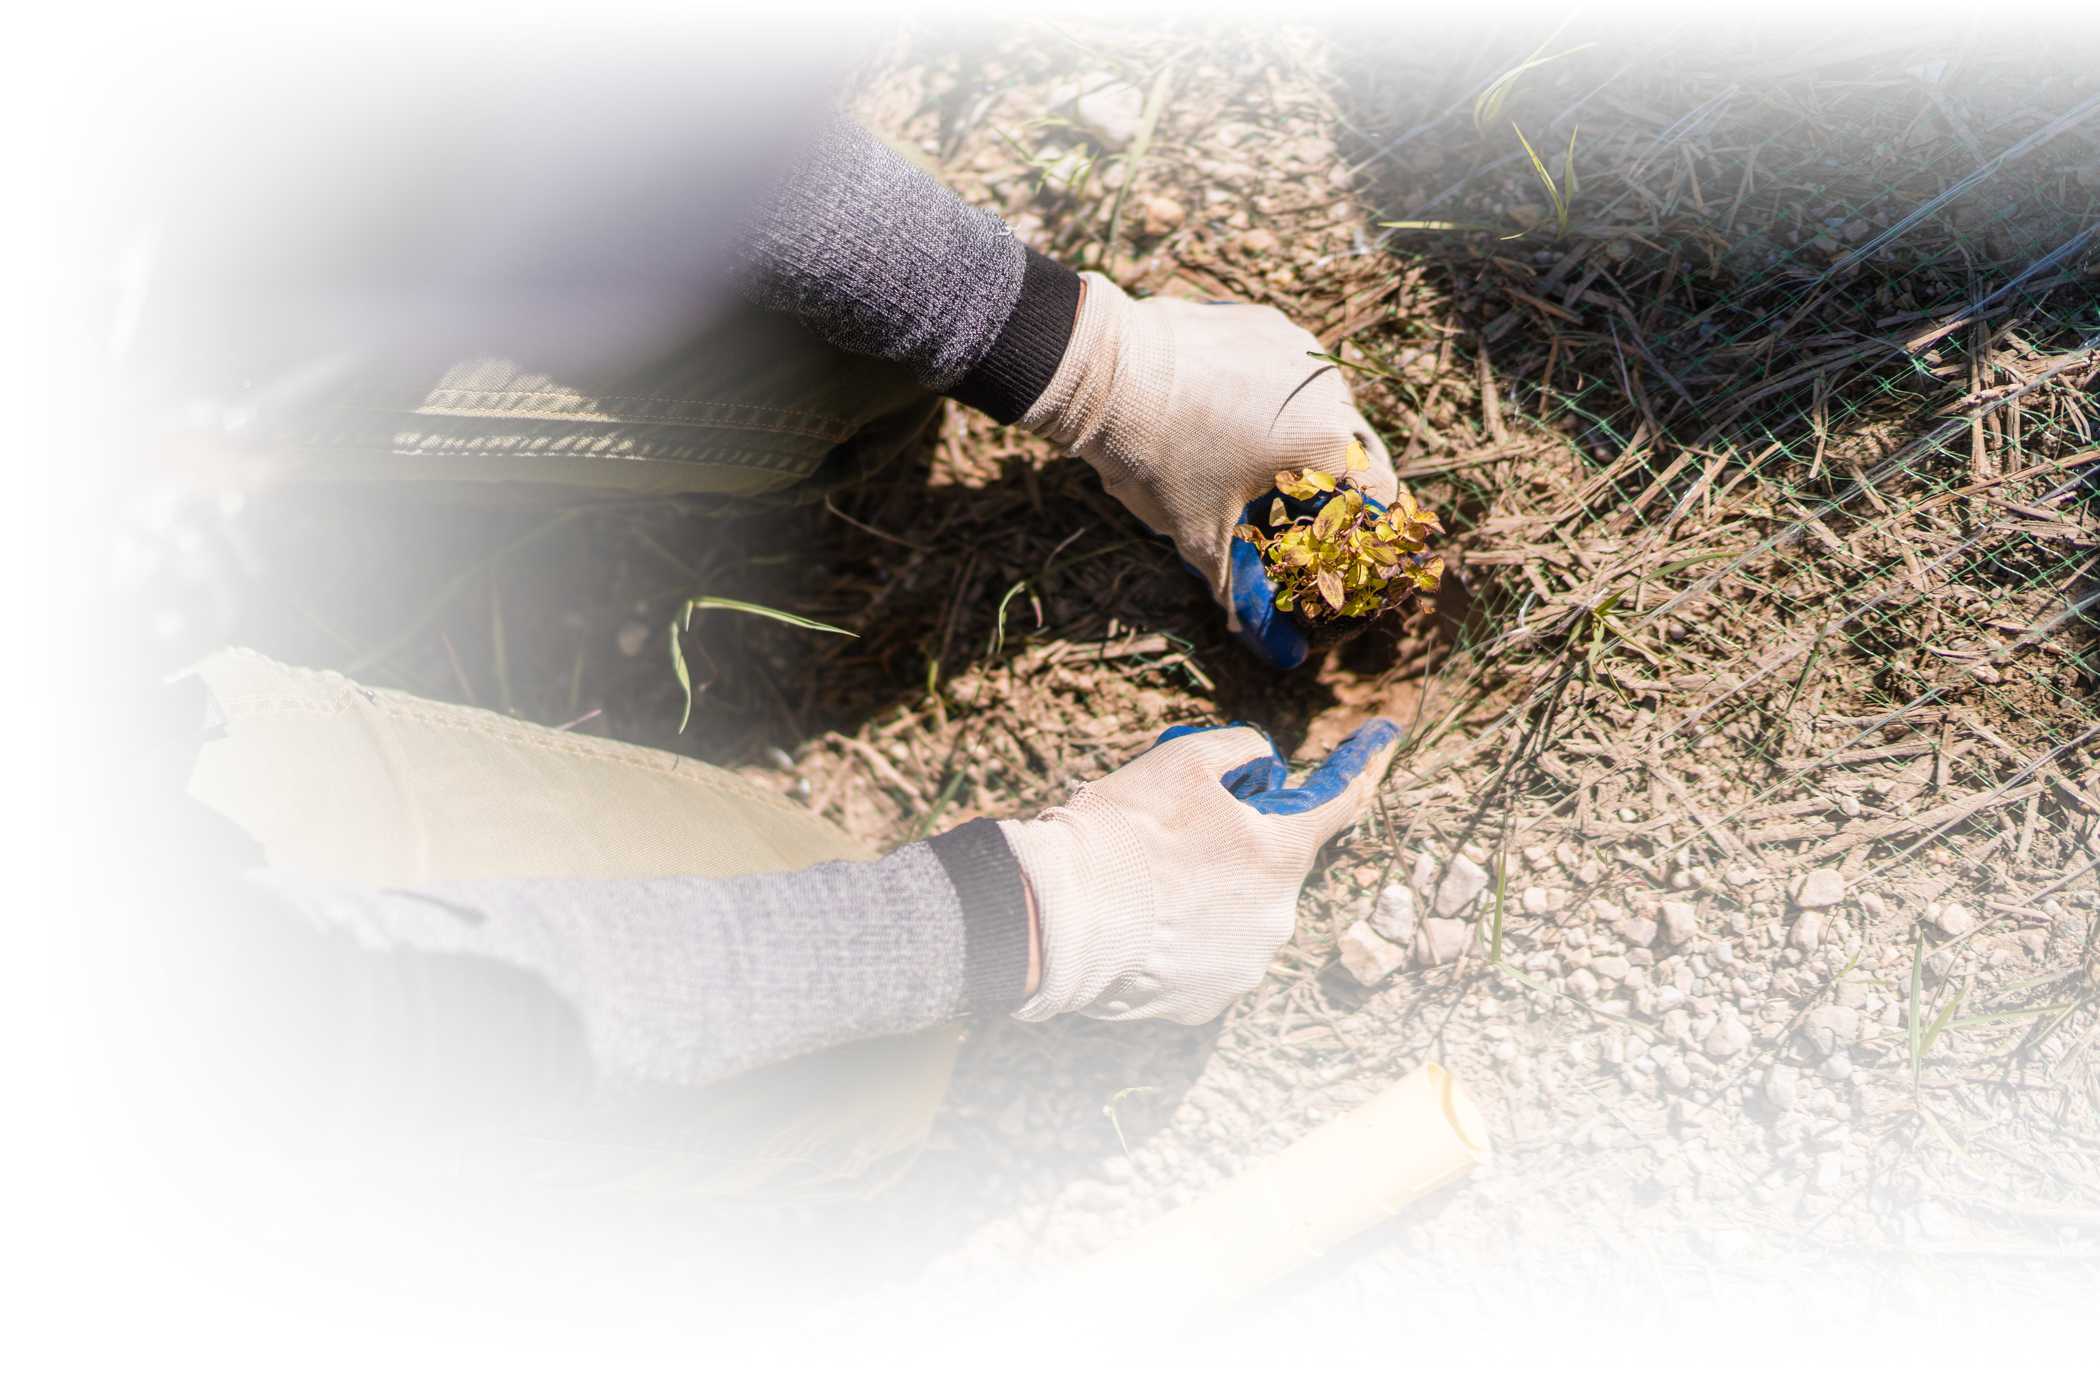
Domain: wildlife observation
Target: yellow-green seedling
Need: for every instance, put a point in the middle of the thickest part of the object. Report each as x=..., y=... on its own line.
x=1351, y=560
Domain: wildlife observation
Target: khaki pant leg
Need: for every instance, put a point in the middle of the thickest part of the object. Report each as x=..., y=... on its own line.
x=358, y=783
x=753, y=406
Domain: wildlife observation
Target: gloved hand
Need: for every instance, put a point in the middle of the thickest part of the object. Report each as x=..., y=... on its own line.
x=1166, y=888
x=1188, y=412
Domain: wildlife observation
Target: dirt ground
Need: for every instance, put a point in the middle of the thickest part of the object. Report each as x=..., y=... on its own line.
x=1742, y=860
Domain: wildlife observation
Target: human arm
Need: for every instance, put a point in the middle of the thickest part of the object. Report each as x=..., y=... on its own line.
x=1162, y=890
x=682, y=980
x=1186, y=410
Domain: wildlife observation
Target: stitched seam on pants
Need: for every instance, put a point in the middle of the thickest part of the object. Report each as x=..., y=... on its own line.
x=621, y=408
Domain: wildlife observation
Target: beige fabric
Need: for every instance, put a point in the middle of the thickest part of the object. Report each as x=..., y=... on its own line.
x=752, y=407
x=356, y=782
x=359, y=783
x=1188, y=412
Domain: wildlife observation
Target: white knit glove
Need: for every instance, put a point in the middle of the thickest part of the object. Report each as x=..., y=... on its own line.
x=1166, y=888
x=1189, y=411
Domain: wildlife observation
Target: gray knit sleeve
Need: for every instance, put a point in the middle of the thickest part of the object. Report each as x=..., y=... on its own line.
x=679, y=981
x=876, y=257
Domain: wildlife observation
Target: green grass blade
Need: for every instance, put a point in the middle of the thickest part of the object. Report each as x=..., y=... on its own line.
x=685, y=677
x=1538, y=167
x=1940, y=1022
x=1488, y=105
x=761, y=610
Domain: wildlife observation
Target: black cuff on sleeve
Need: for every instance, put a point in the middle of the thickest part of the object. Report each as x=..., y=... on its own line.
x=994, y=900
x=1015, y=371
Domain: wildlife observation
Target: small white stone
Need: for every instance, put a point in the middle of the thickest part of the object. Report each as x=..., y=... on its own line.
x=1394, y=918
x=1840, y=1021
x=1443, y=940
x=1462, y=883
x=1639, y=932
x=1112, y=113
x=1680, y=921
x=1955, y=920
x=631, y=637
x=1729, y=1038
x=1782, y=1086
x=1582, y=984
x=1808, y=931
x=1820, y=889
x=1538, y=901
x=1873, y=905
x=1422, y=878
x=1369, y=958
x=1745, y=875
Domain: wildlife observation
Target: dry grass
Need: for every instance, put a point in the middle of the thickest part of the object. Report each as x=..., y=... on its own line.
x=1767, y=450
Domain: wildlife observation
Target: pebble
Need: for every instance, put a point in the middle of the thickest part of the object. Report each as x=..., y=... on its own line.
x=1160, y=216
x=1443, y=940
x=1874, y=906
x=1612, y=967
x=1808, y=931
x=1820, y=889
x=1422, y=878
x=1258, y=242
x=1745, y=875
x=632, y=637
x=1538, y=901
x=1462, y=884
x=1830, y=1172
x=1729, y=1039
x=1680, y=921
x=1582, y=984
x=1782, y=1087
x=1955, y=920
x=1639, y=932
x=1112, y=113
x=1369, y=958
x=1394, y=916
x=1841, y=1021
x=1606, y=911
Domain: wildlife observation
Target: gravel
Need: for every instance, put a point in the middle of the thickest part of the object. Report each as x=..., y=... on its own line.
x=1463, y=882
x=1369, y=958
x=1443, y=940
x=1394, y=917
x=1680, y=921
x=1111, y=114
x=1820, y=889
